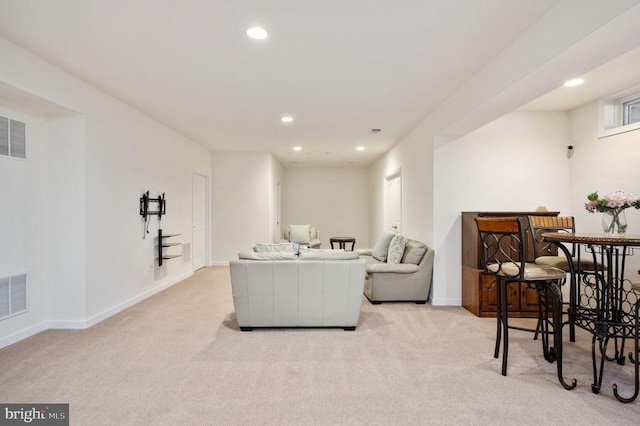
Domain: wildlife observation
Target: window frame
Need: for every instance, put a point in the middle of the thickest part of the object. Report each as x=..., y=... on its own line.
x=625, y=110
x=613, y=113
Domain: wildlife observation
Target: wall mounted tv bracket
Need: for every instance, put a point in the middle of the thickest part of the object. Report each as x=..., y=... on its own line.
x=152, y=206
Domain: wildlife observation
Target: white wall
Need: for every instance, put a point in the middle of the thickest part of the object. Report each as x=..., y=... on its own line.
x=242, y=202
x=66, y=221
x=602, y=165
x=23, y=223
x=335, y=200
x=517, y=163
x=97, y=166
x=414, y=157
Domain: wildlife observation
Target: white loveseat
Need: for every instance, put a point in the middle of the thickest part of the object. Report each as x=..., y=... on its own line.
x=318, y=288
x=406, y=281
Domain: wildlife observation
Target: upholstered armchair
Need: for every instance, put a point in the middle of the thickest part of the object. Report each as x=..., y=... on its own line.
x=305, y=235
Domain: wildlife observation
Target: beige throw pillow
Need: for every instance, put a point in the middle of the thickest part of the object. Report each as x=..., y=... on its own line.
x=413, y=252
x=381, y=249
x=266, y=247
x=396, y=249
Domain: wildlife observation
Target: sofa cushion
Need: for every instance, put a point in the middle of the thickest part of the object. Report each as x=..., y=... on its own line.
x=392, y=268
x=381, y=249
x=299, y=234
x=413, y=252
x=268, y=255
x=396, y=249
x=328, y=254
x=260, y=247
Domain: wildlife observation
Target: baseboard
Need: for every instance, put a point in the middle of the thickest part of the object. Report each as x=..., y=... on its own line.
x=82, y=324
x=23, y=334
x=137, y=299
x=446, y=302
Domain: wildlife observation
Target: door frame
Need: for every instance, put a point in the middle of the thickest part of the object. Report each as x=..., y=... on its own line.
x=396, y=174
x=207, y=217
x=278, y=224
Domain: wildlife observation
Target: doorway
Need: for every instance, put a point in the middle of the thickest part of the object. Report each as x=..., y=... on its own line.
x=278, y=229
x=393, y=202
x=200, y=214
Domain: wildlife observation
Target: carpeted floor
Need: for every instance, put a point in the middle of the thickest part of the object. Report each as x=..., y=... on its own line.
x=179, y=358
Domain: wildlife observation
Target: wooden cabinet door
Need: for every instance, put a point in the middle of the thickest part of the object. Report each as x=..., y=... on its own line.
x=489, y=295
x=528, y=298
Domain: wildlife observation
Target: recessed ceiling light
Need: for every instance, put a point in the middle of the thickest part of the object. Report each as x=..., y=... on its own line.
x=286, y=119
x=360, y=148
x=574, y=82
x=297, y=148
x=257, y=33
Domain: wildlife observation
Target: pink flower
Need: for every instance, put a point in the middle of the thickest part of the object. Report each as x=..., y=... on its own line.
x=617, y=200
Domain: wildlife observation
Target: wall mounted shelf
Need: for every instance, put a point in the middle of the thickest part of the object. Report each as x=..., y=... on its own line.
x=163, y=244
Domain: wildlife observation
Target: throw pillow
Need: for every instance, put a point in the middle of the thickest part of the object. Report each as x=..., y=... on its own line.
x=261, y=248
x=299, y=234
x=381, y=249
x=396, y=249
x=413, y=252
x=268, y=255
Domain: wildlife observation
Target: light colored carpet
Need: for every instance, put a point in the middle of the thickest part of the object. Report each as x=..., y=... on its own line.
x=179, y=358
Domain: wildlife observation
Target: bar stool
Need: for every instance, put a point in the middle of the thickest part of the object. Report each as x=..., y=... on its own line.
x=503, y=243
x=546, y=253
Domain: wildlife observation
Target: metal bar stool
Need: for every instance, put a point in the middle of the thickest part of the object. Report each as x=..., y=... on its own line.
x=504, y=256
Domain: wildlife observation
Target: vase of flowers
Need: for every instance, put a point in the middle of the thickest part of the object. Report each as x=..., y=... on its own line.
x=614, y=222
x=613, y=205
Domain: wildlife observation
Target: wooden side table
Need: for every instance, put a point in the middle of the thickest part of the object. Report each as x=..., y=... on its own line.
x=342, y=242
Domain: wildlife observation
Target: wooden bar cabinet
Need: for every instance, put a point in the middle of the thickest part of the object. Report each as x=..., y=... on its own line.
x=479, y=290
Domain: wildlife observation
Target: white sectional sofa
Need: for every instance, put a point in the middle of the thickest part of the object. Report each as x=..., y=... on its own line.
x=318, y=288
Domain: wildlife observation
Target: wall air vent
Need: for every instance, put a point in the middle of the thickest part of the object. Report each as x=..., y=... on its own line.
x=13, y=295
x=13, y=141
x=4, y=136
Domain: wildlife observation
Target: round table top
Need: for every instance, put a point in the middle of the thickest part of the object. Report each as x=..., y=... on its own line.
x=345, y=239
x=602, y=239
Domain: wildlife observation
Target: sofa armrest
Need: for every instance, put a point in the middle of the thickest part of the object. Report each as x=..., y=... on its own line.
x=365, y=251
x=394, y=268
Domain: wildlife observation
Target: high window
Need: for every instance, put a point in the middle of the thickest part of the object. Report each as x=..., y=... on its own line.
x=620, y=113
x=631, y=111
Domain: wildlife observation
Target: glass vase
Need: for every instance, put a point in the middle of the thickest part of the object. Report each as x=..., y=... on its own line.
x=614, y=222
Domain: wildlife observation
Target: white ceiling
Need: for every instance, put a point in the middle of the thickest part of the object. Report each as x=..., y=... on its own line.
x=608, y=79
x=339, y=67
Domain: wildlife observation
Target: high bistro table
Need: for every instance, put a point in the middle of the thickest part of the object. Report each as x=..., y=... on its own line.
x=602, y=300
